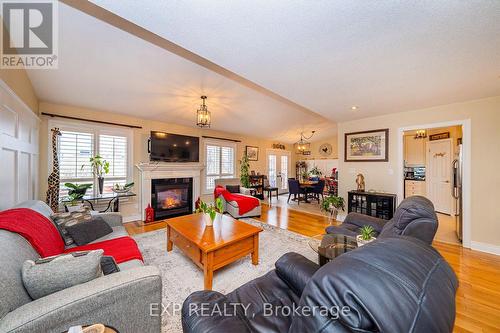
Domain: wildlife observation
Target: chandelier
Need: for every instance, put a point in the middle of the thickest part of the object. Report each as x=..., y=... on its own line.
x=302, y=144
x=421, y=134
x=203, y=118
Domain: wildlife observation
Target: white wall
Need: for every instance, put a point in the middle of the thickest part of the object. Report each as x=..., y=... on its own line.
x=19, y=129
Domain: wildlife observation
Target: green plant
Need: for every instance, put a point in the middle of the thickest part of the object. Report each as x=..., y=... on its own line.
x=211, y=210
x=332, y=203
x=305, y=175
x=367, y=232
x=99, y=166
x=74, y=198
x=77, y=188
x=316, y=171
x=244, y=167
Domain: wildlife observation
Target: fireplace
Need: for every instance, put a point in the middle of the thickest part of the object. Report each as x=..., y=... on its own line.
x=171, y=197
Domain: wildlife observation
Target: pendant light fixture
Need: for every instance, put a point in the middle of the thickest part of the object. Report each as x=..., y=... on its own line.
x=302, y=144
x=421, y=134
x=203, y=117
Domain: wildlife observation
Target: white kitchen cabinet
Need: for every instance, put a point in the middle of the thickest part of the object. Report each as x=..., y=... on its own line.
x=414, y=187
x=414, y=151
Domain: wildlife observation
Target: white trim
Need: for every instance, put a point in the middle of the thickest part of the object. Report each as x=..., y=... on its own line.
x=18, y=99
x=466, y=180
x=219, y=143
x=484, y=247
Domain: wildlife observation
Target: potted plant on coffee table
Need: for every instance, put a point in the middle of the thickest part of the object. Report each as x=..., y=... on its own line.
x=210, y=211
x=100, y=168
x=331, y=205
x=366, y=235
x=75, y=202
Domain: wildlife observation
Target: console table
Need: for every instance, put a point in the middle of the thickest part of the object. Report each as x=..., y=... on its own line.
x=381, y=205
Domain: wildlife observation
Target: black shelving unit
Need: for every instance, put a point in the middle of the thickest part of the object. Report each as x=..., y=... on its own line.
x=381, y=205
x=257, y=183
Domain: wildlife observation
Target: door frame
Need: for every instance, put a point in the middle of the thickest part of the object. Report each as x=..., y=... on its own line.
x=427, y=154
x=279, y=152
x=466, y=180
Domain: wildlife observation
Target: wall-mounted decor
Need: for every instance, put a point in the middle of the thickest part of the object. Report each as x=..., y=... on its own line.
x=306, y=152
x=439, y=136
x=367, y=146
x=252, y=153
x=279, y=146
x=325, y=149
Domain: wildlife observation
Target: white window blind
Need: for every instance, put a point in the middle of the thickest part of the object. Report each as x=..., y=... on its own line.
x=220, y=160
x=77, y=146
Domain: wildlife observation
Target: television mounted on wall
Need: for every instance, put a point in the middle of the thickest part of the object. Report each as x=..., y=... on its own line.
x=168, y=147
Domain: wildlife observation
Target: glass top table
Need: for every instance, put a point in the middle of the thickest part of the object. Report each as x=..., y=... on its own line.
x=112, y=199
x=330, y=246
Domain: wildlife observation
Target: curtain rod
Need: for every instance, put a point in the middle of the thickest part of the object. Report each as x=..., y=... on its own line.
x=93, y=121
x=214, y=137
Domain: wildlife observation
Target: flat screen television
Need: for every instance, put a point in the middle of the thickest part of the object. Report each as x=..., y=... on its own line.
x=169, y=147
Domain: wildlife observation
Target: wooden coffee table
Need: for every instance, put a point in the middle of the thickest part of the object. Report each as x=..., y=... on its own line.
x=213, y=247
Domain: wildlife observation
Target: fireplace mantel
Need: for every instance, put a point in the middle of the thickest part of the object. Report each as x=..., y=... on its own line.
x=149, y=171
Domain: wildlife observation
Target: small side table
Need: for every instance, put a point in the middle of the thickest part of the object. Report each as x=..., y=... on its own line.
x=270, y=191
x=330, y=246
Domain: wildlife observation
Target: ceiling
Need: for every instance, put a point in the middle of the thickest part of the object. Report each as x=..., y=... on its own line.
x=382, y=56
x=105, y=68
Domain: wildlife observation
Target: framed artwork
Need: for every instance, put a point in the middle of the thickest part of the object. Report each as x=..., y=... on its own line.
x=367, y=146
x=252, y=153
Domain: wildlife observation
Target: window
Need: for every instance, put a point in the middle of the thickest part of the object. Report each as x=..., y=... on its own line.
x=220, y=162
x=78, y=143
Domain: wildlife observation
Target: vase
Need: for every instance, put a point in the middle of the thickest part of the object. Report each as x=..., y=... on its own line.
x=362, y=242
x=208, y=220
x=334, y=214
x=101, y=184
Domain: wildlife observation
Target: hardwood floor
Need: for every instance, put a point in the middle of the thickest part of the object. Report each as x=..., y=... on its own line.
x=478, y=296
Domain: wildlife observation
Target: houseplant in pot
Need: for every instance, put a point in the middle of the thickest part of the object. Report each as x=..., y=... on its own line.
x=77, y=188
x=366, y=235
x=331, y=205
x=100, y=168
x=75, y=203
x=210, y=211
x=244, y=167
x=316, y=172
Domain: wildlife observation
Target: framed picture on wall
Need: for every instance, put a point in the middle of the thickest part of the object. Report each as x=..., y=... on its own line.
x=252, y=153
x=367, y=146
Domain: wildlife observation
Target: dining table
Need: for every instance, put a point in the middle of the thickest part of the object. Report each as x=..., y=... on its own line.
x=307, y=185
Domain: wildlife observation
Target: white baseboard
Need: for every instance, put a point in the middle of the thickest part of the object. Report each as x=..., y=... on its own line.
x=132, y=218
x=485, y=247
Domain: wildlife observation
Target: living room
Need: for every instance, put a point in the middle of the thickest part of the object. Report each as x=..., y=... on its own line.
x=152, y=174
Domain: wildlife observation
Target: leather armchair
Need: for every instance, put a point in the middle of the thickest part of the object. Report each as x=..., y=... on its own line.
x=415, y=217
x=400, y=274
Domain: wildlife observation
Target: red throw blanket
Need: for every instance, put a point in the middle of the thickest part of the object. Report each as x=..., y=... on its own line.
x=38, y=230
x=245, y=203
x=122, y=249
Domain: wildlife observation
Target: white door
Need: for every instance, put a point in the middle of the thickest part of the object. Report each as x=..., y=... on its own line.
x=278, y=169
x=438, y=174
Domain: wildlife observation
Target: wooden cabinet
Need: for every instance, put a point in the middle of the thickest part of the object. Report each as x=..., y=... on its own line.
x=414, y=187
x=414, y=151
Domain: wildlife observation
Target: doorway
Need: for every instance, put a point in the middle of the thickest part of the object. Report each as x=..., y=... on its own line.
x=435, y=163
x=278, y=169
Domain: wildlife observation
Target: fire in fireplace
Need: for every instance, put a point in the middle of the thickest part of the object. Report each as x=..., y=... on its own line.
x=172, y=197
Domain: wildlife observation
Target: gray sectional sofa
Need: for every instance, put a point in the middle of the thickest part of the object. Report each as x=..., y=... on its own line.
x=121, y=300
x=231, y=207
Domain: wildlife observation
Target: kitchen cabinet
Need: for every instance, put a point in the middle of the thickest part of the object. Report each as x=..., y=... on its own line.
x=414, y=187
x=414, y=151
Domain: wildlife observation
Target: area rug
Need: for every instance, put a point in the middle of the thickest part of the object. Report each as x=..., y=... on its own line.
x=181, y=276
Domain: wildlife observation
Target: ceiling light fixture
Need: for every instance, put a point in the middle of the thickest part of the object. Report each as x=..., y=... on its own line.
x=203, y=117
x=354, y=108
x=302, y=144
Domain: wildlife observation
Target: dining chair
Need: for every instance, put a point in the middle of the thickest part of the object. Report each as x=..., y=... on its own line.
x=294, y=188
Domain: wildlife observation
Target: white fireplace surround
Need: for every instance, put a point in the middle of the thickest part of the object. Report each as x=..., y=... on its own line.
x=149, y=171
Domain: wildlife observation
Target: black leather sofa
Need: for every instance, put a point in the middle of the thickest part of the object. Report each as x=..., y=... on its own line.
x=396, y=284
x=415, y=217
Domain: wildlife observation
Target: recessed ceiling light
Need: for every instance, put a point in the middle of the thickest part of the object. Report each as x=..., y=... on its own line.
x=354, y=108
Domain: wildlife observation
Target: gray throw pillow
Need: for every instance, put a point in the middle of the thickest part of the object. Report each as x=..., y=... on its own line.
x=61, y=272
x=88, y=231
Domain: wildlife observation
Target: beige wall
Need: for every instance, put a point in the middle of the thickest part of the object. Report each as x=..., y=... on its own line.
x=141, y=136
x=485, y=160
x=315, y=155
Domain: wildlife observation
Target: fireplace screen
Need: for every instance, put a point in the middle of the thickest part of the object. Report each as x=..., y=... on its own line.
x=172, y=197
